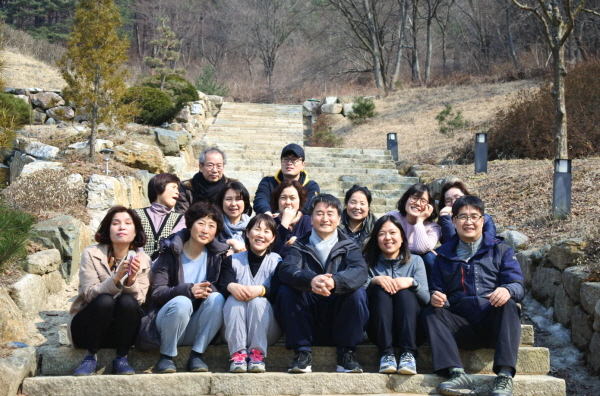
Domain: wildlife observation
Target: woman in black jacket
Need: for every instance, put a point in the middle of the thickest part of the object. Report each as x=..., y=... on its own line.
x=187, y=308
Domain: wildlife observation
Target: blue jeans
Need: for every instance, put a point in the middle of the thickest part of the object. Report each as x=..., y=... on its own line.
x=178, y=324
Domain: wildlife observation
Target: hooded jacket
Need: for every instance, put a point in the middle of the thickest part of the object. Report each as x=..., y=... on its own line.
x=467, y=283
x=344, y=262
x=262, y=198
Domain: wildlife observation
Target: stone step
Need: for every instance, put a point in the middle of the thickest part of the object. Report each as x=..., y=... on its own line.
x=272, y=384
x=328, y=150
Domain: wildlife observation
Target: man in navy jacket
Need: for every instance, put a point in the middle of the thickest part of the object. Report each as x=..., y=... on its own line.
x=292, y=168
x=476, y=285
x=321, y=300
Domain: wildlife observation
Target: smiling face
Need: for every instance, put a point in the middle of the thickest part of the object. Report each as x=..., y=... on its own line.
x=358, y=207
x=468, y=230
x=203, y=231
x=169, y=197
x=291, y=166
x=122, y=229
x=289, y=198
x=415, y=205
x=325, y=220
x=260, y=238
x=452, y=195
x=233, y=205
x=212, y=168
x=389, y=240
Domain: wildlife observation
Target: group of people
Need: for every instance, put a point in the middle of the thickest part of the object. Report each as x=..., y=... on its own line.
x=197, y=264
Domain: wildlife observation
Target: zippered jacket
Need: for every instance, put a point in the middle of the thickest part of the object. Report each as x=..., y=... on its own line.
x=345, y=263
x=466, y=284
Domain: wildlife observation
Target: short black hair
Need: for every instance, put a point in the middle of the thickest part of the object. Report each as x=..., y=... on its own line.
x=417, y=189
x=203, y=209
x=261, y=218
x=357, y=188
x=327, y=199
x=302, y=194
x=158, y=184
x=371, y=250
x=239, y=187
x=468, y=200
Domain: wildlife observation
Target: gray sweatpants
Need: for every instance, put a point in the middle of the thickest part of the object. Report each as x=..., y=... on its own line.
x=250, y=325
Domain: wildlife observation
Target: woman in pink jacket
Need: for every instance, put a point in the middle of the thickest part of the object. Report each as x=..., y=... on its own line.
x=113, y=282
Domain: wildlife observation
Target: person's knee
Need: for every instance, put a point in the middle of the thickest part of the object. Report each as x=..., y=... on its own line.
x=214, y=302
x=127, y=302
x=257, y=304
x=180, y=307
x=104, y=303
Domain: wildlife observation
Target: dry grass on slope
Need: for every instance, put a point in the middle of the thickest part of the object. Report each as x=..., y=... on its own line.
x=22, y=71
x=518, y=194
x=411, y=114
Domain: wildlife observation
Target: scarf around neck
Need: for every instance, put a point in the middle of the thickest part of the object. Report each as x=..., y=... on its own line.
x=204, y=190
x=323, y=247
x=235, y=230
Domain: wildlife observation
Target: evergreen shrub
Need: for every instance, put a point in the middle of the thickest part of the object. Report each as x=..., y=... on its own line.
x=155, y=106
x=363, y=109
x=16, y=226
x=19, y=109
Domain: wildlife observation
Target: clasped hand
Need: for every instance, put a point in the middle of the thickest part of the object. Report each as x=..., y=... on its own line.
x=322, y=284
x=393, y=285
x=201, y=289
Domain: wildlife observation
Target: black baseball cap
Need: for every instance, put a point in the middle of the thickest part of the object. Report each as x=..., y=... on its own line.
x=295, y=149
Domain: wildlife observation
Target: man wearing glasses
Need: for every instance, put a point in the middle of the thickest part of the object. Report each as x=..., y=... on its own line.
x=292, y=168
x=206, y=184
x=476, y=284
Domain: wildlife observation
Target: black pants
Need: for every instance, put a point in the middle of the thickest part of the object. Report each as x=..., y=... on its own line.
x=393, y=320
x=107, y=322
x=500, y=329
x=310, y=319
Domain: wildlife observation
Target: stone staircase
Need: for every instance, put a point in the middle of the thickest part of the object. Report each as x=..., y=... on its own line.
x=252, y=136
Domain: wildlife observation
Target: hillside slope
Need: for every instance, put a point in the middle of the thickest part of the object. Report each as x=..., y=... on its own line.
x=22, y=71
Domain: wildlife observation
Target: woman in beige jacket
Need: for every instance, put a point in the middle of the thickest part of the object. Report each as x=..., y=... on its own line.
x=113, y=282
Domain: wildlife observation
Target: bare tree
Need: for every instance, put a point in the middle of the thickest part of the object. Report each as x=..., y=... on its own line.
x=431, y=9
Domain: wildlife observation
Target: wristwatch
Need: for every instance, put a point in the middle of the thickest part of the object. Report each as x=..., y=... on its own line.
x=415, y=284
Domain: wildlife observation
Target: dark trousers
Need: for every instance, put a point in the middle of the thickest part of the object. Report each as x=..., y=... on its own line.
x=501, y=330
x=393, y=320
x=428, y=260
x=107, y=322
x=310, y=319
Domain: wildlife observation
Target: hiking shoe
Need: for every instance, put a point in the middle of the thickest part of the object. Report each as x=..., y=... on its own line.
x=121, y=366
x=503, y=385
x=165, y=365
x=458, y=384
x=302, y=363
x=407, y=364
x=195, y=363
x=238, y=362
x=347, y=363
x=87, y=367
x=256, y=363
x=387, y=364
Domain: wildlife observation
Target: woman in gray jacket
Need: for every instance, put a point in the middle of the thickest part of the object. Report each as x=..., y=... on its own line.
x=397, y=290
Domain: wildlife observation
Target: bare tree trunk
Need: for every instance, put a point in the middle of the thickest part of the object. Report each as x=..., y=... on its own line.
x=416, y=71
x=95, y=108
x=401, y=34
x=560, y=109
x=375, y=46
x=509, y=37
x=429, y=50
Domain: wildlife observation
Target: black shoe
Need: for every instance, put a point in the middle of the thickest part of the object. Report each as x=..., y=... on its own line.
x=347, y=363
x=503, y=385
x=302, y=363
x=165, y=365
x=195, y=363
x=458, y=384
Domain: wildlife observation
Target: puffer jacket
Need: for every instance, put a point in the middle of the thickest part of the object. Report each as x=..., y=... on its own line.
x=344, y=262
x=467, y=283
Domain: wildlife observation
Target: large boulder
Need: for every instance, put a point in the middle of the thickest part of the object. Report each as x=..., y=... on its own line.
x=172, y=142
x=21, y=364
x=137, y=195
x=67, y=234
x=566, y=253
x=47, y=100
x=311, y=105
x=39, y=117
x=332, y=108
x=348, y=108
x=104, y=192
x=11, y=320
x=544, y=284
x=140, y=156
x=593, y=357
x=331, y=100
x=515, y=239
x=530, y=260
x=38, y=166
x=590, y=294
x=54, y=282
x=30, y=294
x=563, y=307
x=83, y=148
x=597, y=317
x=183, y=115
x=196, y=108
x=573, y=277
x=41, y=263
x=61, y=113
x=18, y=162
x=581, y=328
x=217, y=101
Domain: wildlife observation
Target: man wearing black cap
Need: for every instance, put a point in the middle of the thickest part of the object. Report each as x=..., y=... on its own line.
x=292, y=168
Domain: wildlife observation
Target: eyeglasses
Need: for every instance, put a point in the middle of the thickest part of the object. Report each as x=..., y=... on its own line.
x=291, y=160
x=211, y=166
x=464, y=218
x=420, y=200
x=449, y=201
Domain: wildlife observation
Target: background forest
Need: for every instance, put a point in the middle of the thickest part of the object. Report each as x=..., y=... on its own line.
x=288, y=50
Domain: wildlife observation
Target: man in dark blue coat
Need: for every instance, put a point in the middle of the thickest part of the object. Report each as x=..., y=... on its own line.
x=321, y=300
x=476, y=285
x=292, y=168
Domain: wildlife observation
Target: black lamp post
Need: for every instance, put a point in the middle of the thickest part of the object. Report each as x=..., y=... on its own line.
x=392, y=145
x=561, y=192
x=481, y=152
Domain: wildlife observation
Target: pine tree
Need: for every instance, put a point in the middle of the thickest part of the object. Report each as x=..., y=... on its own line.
x=166, y=47
x=93, y=65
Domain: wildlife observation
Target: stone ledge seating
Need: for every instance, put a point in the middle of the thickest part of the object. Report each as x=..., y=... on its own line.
x=252, y=135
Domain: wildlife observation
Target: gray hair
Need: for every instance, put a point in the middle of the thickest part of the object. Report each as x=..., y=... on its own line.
x=327, y=199
x=209, y=150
